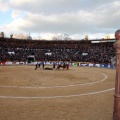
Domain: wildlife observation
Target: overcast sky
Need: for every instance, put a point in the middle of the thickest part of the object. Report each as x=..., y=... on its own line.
x=47, y=18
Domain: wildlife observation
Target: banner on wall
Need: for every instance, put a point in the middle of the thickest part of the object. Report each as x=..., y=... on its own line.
x=3, y=63
x=75, y=64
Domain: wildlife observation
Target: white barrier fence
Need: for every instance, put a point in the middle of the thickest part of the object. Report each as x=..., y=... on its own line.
x=77, y=64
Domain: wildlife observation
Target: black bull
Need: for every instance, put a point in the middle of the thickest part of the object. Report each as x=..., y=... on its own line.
x=63, y=66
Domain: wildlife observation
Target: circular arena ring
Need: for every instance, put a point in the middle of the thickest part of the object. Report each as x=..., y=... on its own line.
x=80, y=93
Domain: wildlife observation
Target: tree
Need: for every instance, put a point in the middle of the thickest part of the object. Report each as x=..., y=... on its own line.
x=86, y=37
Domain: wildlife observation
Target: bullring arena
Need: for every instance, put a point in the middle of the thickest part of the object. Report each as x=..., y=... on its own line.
x=80, y=93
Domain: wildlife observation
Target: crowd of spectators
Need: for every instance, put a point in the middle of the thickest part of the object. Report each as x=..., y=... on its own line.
x=93, y=53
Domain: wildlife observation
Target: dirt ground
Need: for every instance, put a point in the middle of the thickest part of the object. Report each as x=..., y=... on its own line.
x=80, y=93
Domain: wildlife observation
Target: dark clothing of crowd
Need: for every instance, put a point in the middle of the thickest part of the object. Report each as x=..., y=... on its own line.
x=93, y=53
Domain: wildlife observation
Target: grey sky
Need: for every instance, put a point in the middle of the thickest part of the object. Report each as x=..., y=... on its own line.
x=96, y=18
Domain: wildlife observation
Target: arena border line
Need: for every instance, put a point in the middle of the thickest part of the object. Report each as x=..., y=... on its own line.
x=60, y=86
x=53, y=97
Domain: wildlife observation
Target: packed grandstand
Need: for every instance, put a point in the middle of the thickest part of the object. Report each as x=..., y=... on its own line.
x=92, y=51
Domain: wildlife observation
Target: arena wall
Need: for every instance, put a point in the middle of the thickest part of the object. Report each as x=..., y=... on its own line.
x=76, y=64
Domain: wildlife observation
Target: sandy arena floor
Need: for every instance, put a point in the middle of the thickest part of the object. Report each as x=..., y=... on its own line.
x=81, y=93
